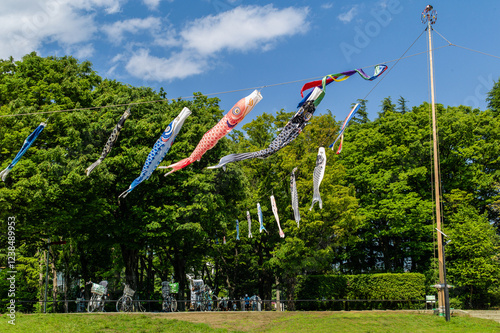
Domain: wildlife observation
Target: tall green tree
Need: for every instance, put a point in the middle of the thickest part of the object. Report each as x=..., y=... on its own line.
x=391, y=173
x=473, y=263
x=493, y=98
x=402, y=105
x=50, y=193
x=313, y=247
x=387, y=106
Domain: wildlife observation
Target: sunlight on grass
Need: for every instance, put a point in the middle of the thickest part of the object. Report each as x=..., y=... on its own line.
x=369, y=321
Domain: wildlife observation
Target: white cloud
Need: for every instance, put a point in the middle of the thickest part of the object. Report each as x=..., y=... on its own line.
x=84, y=52
x=111, y=72
x=152, y=4
x=118, y=58
x=349, y=15
x=168, y=39
x=179, y=65
x=110, y=6
x=240, y=29
x=328, y=5
x=243, y=28
x=72, y=26
x=27, y=24
x=116, y=30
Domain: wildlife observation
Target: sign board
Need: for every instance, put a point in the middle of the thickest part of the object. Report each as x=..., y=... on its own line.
x=430, y=299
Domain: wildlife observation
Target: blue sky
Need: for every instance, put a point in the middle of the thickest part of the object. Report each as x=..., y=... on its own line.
x=215, y=46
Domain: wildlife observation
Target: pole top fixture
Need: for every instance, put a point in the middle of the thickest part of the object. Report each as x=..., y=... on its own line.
x=429, y=15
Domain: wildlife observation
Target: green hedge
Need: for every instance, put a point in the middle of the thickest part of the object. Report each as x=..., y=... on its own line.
x=367, y=291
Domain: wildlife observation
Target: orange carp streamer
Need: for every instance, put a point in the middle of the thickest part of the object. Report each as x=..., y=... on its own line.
x=224, y=126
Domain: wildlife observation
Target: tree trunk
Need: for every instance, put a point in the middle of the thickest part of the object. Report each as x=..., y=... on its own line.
x=66, y=276
x=141, y=274
x=235, y=274
x=54, y=283
x=85, y=271
x=180, y=275
x=470, y=299
x=66, y=305
x=278, y=303
x=150, y=288
x=265, y=277
x=291, y=283
x=40, y=280
x=130, y=258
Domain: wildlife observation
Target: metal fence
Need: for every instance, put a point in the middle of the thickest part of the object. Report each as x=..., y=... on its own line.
x=71, y=306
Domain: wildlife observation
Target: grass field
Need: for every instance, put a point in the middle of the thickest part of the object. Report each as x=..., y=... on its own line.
x=362, y=321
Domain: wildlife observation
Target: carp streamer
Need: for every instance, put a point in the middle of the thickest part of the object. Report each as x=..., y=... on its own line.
x=160, y=149
x=295, y=197
x=224, y=126
x=307, y=107
x=111, y=141
x=339, y=77
x=26, y=145
x=319, y=172
x=291, y=130
x=276, y=216
x=342, y=129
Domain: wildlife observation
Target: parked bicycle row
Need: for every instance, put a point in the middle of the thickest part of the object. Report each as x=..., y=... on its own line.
x=202, y=299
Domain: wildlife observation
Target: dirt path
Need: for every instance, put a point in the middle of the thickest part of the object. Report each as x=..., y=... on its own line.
x=241, y=321
x=247, y=321
x=486, y=314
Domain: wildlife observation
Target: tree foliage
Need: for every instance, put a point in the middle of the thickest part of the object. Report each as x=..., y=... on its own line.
x=474, y=264
x=377, y=214
x=49, y=192
x=493, y=98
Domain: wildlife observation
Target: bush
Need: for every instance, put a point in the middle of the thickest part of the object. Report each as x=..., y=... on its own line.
x=365, y=291
x=404, y=286
x=456, y=303
x=319, y=287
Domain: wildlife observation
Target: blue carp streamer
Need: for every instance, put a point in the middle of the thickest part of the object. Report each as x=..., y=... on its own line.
x=261, y=219
x=237, y=229
x=160, y=149
x=26, y=145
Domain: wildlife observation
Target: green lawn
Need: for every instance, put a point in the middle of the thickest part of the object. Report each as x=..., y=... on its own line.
x=366, y=321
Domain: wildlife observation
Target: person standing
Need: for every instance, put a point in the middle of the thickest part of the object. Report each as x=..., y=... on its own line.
x=247, y=302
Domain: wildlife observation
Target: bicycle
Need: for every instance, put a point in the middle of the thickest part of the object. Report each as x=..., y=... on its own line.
x=138, y=307
x=96, y=302
x=169, y=301
x=207, y=298
x=125, y=303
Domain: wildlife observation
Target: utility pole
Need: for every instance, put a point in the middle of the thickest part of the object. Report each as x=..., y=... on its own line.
x=445, y=286
x=429, y=17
